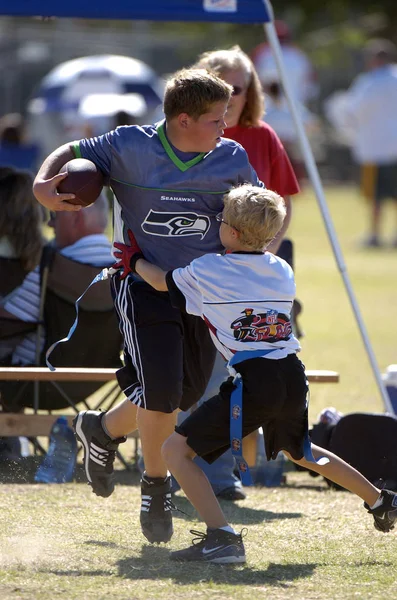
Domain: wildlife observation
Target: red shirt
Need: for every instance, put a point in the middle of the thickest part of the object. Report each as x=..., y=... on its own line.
x=267, y=155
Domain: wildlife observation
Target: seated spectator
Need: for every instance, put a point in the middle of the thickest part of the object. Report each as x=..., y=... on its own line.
x=21, y=219
x=15, y=149
x=21, y=239
x=21, y=244
x=79, y=235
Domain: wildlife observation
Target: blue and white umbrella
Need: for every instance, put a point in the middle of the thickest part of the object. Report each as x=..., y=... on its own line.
x=63, y=88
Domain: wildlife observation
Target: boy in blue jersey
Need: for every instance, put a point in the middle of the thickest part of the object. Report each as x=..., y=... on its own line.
x=168, y=180
x=245, y=296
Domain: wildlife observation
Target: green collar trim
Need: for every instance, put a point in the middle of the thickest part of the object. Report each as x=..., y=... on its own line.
x=76, y=150
x=182, y=166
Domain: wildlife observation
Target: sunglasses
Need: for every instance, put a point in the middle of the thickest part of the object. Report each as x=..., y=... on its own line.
x=237, y=90
x=220, y=219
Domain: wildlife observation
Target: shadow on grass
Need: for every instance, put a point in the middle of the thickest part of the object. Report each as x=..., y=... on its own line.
x=309, y=487
x=237, y=513
x=154, y=563
x=101, y=544
x=76, y=573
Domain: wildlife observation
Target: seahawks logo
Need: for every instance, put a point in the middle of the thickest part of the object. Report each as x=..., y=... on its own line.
x=172, y=224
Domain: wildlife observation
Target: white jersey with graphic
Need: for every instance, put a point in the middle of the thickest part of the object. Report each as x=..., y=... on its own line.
x=245, y=298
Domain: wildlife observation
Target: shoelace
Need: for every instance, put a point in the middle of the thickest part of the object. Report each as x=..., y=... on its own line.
x=201, y=537
x=168, y=503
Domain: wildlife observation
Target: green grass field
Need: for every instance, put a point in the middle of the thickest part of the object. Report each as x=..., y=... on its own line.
x=304, y=540
x=333, y=339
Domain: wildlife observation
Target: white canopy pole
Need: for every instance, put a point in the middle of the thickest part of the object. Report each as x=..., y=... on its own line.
x=319, y=192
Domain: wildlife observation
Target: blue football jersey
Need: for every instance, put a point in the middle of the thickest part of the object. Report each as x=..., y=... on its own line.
x=169, y=200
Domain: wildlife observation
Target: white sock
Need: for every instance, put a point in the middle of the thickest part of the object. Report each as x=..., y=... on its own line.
x=105, y=429
x=228, y=529
x=378, y=502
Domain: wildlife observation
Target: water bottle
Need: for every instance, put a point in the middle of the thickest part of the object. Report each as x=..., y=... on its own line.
x=59, y=462
x=268, y=473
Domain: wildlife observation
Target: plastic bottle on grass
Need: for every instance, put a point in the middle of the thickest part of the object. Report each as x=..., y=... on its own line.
x=59, y=462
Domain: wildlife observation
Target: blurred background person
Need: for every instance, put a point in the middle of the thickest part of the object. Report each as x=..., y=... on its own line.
x=21, y=243
x=21, y=219
x=279, y=117
x=80, y=236
x=367, y=115
x=298, y=66
x=15, y=149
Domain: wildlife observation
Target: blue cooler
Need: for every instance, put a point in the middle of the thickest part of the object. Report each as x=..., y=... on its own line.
x=390, y=381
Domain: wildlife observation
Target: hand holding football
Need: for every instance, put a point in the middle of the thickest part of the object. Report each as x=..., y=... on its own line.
x=84, y=179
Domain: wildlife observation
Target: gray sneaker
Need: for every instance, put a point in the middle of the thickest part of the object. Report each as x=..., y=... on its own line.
x=384, y=515
x=99, y=451
x=217, y=546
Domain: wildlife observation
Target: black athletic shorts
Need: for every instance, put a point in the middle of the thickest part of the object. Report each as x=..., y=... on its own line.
x=274, y=397
x=169, y=355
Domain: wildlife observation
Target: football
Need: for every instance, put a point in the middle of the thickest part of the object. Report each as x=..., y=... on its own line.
x=84, y=179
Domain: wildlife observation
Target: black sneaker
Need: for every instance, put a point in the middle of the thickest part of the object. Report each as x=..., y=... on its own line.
x=217, y=546
x=232, y=493
x=99, y=451
x=156, y=509
x=385, y=514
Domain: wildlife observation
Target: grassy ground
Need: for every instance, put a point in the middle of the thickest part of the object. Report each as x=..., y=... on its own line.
x=304, y=540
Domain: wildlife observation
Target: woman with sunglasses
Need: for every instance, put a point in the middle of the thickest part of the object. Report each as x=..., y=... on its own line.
x=244, y=125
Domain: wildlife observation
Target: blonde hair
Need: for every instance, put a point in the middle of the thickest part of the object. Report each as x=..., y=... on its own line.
x=234, y=59
x=193, y=91
x=256, y=213
x=21, y=216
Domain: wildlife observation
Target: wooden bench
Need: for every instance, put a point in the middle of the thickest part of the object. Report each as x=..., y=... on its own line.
x=34, y=425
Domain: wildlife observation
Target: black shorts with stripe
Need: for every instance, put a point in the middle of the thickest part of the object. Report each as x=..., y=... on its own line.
x=168, y=354
x=274, y=398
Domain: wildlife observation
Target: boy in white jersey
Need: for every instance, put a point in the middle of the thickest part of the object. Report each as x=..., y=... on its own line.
x=245, y=296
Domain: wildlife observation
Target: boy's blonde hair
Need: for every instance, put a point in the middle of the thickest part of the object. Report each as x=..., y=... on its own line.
x=194, y=91
x=234, y=59
x=256, y=213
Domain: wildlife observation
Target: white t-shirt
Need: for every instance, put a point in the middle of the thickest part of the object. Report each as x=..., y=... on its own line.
x=368, y=112
x=245, y=299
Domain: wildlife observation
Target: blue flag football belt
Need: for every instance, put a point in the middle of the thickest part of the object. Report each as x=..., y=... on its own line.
x=236, y=418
